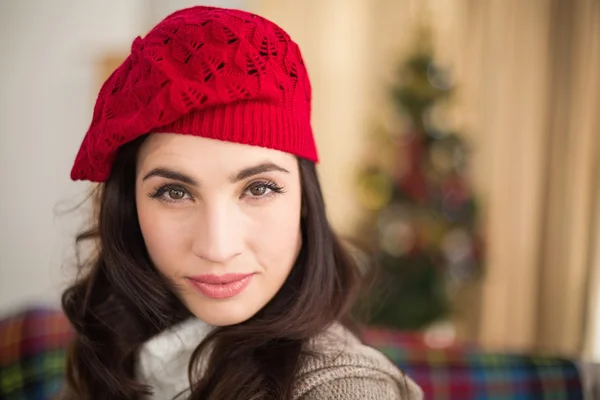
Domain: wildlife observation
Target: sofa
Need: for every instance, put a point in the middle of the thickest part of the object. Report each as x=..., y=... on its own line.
x=33, y=347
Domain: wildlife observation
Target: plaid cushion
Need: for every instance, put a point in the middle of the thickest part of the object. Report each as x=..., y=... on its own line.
x=468, y=373
x=32, y=354
x=32, y=360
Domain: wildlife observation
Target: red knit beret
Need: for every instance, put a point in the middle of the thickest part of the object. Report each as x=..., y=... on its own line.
x=218, y=73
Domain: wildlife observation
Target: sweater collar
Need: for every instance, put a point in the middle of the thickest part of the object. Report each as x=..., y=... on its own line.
x=163, y=360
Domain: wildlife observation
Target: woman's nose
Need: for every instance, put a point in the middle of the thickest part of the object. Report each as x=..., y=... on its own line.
x=219, y=234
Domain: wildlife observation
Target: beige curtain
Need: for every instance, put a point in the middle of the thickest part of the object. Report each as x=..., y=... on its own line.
x=592, y=334
x=532, y=100
x=572, y=176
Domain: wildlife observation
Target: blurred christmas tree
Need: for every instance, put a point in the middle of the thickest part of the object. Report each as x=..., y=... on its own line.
x=421, y=212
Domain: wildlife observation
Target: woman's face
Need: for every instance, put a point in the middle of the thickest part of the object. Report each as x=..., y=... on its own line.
x=220, y=220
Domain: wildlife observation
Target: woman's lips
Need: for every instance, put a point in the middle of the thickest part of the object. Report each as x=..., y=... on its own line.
x=220, y=286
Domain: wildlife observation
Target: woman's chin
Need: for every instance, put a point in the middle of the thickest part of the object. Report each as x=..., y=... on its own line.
x=222, y=313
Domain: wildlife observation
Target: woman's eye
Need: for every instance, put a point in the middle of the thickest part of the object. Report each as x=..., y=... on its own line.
x=170, y=194
x=263, y=189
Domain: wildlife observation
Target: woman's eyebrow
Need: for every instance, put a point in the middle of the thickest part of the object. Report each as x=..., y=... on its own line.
x=171, y=174
x=257, y=169
x=243, y=174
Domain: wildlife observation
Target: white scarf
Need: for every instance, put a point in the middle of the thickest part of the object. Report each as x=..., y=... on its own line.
x=163, y=360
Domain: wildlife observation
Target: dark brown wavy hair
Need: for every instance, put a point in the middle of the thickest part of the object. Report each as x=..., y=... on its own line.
x=119, y=301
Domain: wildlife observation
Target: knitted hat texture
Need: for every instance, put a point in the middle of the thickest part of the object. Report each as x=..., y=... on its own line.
x=212, y=72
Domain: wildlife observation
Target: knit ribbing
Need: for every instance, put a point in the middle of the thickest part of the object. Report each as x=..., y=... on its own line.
x=252, y=123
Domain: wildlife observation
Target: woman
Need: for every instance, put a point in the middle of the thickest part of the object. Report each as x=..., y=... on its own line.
x=216, y=274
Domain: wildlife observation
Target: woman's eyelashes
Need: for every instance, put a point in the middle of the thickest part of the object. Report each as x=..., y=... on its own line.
x=255, y=191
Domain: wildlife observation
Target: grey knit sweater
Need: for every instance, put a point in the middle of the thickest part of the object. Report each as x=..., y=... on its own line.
x=346, y=369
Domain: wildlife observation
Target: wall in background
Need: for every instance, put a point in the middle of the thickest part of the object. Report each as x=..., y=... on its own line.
x=49, y=50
